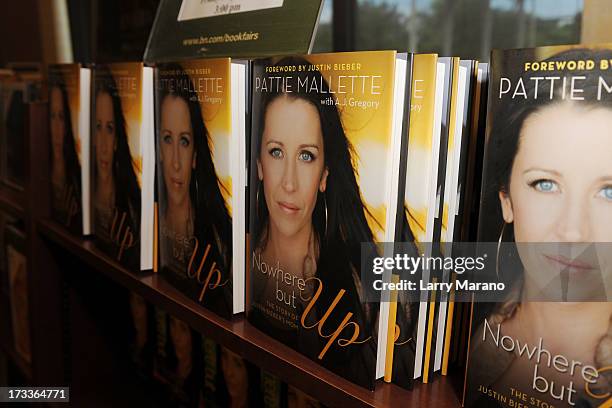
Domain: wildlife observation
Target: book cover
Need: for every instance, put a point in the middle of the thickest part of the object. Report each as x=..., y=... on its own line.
x=272, y=390
x=413, y=320
x=66, y=145
x=197, y=181
x=297, y=398
x=177, y=361
x=123, y=163
x=236, y=28
x=457, y=329
x=14, y=99
x=17, y=270
x=456, y=162
x=228, y=379
x=325, y=129
x=141, y=334
x=6, y=220
x=547, y=201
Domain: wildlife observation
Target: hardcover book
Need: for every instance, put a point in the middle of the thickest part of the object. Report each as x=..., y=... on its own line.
x=201, y=144
x=414, y=318
x=69, y=127
x=547, y=201
x=141, y=334
x=228, y=379
x=456, y=161
x=123, y=157
x=457, y=327
x=326, y=130
x=6, y=220
x=17, y=269
x=177, y=362
x=232, y=28
x=15, y=94
x=297, y=398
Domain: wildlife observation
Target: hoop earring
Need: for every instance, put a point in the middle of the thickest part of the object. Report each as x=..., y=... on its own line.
x=325, y=206
x=257, y=197
x=499, y=241
x=197, y=191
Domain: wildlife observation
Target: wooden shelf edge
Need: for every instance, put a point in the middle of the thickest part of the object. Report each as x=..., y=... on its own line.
x=242, y=338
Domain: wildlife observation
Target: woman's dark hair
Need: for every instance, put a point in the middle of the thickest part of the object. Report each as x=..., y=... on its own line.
x=503, y=138
x=72, y=166
x=127, y=189
x=212, y=222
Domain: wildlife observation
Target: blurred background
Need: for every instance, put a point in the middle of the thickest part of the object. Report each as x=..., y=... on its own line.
x=112, y=30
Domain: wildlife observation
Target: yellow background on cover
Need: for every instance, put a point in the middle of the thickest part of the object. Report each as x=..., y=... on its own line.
x=70, y=74
x=217, y=117
x=131, y=104
x=420, y=142
x=450, y=157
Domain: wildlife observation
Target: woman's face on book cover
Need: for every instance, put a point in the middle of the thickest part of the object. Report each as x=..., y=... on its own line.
x=561, y=189
x=234, y=372
x=291, y=164
x=58, y=125
x=105, y=141
x=176, y=148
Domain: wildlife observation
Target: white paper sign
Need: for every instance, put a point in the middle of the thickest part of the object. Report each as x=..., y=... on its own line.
x=192, y=9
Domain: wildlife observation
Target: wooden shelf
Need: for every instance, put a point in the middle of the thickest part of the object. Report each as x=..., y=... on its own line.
x=11, y=201
x=242, y=338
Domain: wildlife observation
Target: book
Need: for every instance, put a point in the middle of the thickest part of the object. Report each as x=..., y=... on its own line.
x=297, y=398
x=69, y=126
x=19, y=283
x=123, y=157
x=177, y=361
x=326, y=129
x=457, y=327
x=232, y=28
x=141, y=334
x=456, y=161
x=272, y=390
x=6, y=220
x=413, y=315
x=15, y=95
x=228, y=379
x=434, y=273
x=546, y=203
x=201, y=144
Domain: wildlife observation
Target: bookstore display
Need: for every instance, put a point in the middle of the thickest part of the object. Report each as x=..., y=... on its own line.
x=222, y=223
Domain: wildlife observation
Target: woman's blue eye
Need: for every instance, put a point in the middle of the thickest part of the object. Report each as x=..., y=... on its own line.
x=276, y=153
x=606, y=193
x=184, y=141
x=306, y=156
x=545, y=186
x=167, y=139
